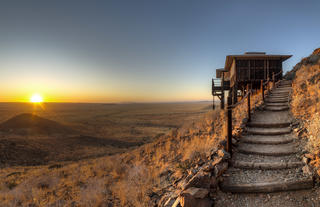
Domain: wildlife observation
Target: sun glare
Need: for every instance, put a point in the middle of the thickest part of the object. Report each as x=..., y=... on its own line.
x=36, y=98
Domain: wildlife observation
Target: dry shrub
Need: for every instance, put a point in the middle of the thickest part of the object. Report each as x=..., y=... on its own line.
x=240, y=113
x=305, y=103
x=93, y=193
x=128, y=179
x=134, y=188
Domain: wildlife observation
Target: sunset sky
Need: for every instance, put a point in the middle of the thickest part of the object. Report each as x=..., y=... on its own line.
x=141, y=51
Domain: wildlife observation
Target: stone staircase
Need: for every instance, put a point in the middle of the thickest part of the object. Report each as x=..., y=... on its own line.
x=266, y=158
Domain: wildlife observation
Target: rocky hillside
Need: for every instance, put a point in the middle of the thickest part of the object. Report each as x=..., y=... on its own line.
x=306, y=104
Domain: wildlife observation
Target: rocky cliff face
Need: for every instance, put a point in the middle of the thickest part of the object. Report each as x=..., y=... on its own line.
x=306, y=104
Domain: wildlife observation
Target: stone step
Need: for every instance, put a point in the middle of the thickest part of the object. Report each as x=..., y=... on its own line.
x=280, y=93
x=282, y=90
x=276, y=104
x=269, y=125
x=264, y=181
x=268, y=119
x=267, y=149
x=278, y=96
x=255, y=158
x=286, y=81
x=268, y=187
x=276, y=100
x=285, y=85
x=266, y=165
x=258, y=139
x=277, y=91
x=268, y=131
x=276, y=108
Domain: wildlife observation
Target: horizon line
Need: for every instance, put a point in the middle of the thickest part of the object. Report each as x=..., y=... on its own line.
x=129, y=102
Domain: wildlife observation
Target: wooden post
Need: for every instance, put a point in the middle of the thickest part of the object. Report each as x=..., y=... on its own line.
x=222, y=92
x=274, y=80
x=213, y=106
x=229, y=138
x=262, y=90
x=235, y=94
x=249, y=107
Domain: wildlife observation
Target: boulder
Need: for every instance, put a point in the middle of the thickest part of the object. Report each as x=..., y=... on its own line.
x=224, y=154
x=306, y=170
x=167, y=200
x=200, y=180
x=305, y=160
x=223, y=143
x=213, y=182
x=176, y=203
x=196, y=192
x=234, y=141
x=309, y=155
x=220, y=168
x=209, y=167
x=188, y=200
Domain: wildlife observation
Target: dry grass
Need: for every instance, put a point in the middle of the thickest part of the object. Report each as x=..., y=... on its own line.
x=97, y=129
x=306, y=102
x=135, y=178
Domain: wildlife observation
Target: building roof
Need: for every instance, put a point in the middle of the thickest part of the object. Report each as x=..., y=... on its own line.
x=253, y=55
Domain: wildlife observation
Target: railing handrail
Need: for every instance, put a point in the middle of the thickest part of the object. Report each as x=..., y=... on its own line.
x=278, y=73
x=238, y=103
x=274, y=75
x=266, y=83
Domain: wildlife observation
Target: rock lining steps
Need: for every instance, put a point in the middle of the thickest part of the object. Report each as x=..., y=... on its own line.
x=266, y=157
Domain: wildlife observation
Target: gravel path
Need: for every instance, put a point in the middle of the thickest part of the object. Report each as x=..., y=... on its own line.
x=301, y=198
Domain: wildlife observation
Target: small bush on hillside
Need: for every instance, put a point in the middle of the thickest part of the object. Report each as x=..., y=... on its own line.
x=306, y=102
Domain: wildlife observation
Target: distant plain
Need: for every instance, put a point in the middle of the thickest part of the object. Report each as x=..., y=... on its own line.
x=95, y=129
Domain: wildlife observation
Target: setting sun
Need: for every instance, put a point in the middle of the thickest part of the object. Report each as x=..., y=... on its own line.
x=36, y=98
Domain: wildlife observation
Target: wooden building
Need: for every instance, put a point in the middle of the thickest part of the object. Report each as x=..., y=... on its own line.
x=249, y=68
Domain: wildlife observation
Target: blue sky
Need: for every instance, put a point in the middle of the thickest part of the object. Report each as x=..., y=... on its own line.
x=113, y=51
